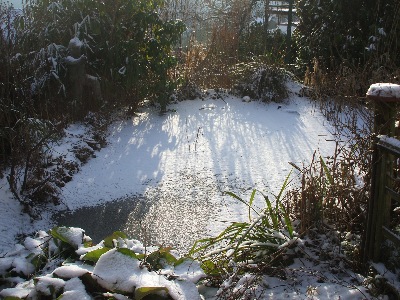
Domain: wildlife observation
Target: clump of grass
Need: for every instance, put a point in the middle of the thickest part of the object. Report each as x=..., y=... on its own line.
x=257, y=241
x=330, y=194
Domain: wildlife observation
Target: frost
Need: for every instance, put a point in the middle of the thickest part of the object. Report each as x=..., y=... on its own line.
x=5, y=264
x=122, y=70
x=75, y=42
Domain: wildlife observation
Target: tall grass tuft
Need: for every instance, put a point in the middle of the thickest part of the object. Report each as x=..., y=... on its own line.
x=267, y=232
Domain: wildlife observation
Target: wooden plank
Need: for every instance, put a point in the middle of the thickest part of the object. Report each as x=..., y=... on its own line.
x=390, y=235
x=389, y=147
x=393, y=194
x=379, y=213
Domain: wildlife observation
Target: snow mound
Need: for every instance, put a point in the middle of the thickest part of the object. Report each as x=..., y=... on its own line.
x=386, y=90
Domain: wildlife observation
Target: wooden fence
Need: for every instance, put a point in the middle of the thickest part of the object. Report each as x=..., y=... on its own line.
x=385, y=184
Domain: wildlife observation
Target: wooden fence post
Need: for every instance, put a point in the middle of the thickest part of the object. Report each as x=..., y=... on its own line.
x=385, y=98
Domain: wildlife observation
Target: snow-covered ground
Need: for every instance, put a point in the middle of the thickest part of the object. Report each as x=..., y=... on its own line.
x=195, y=152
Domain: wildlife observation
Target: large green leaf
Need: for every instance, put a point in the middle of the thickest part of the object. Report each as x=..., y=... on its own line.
x=95, y=254
x=162, y=255
x=91, y=284
x=127, y=252
x=109, y=241
x=142, y=292
x=60, y=233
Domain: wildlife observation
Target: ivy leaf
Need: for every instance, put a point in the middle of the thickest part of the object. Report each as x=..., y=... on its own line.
x=210, y=268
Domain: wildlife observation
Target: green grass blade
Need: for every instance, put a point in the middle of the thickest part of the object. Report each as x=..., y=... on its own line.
x=327, y=171
x=251, y=202
x=239, y=242
x=271, y=212
x=288, y=222
x=244, y=202
x=285, y=184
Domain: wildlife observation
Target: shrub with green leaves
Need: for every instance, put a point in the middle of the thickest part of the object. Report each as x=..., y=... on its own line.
x=64, y=264
x=324, y=33
x=262, y=82
x=127, y=43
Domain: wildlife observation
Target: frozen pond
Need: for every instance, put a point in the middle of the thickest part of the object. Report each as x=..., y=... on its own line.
x=167, y=218
x=176, y=223
x=169, y=173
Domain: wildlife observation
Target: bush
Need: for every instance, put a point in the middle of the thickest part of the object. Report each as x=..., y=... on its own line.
x=127, y=44
x=361, y=54
x=266, y=83
x=256, y=42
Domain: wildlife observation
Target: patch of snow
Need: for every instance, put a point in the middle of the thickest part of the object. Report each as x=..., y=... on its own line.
x=395, y=143
x=71, y=271
x=17, y=292
x=386, y=90
x=74, y=289
x=22, y=266
x=45, y=284
x=189, y=270
x=246, y=99
x=117, y=271
x=73, y=235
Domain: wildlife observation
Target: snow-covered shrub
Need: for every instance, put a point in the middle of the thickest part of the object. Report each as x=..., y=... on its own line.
x=265, y=83
x=64, y=264
x=131, y=58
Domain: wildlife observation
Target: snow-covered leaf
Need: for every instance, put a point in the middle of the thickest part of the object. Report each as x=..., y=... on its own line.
x=142, y=292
